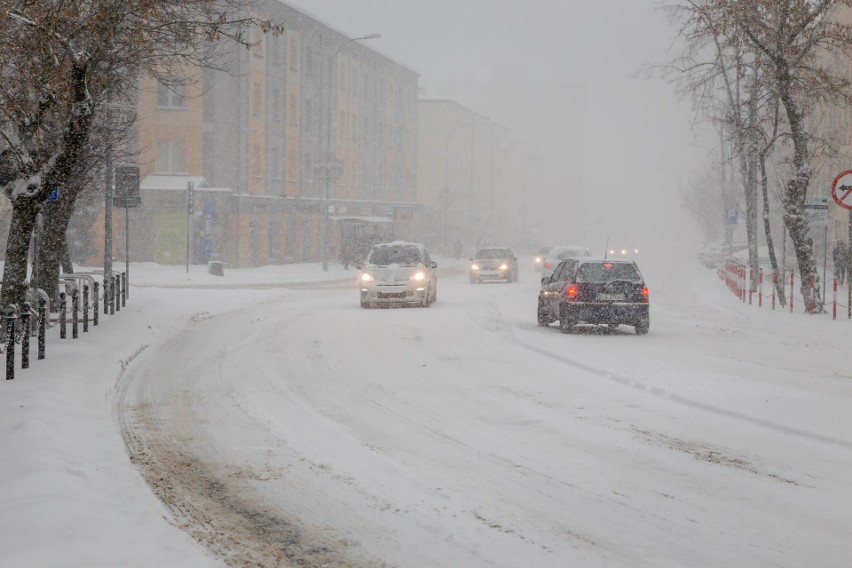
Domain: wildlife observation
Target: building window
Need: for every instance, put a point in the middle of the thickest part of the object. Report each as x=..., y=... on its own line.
x=171, y=157
x=309, y=62
x=170, y=94
x=274, y=241
x=294, y=55
x=292, y=111
x=341, y=125
x=255, y=161
x=309, y=114
x=276, y=104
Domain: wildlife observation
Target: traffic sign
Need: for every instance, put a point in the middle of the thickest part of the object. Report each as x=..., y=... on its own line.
x=731, y=216
x=841, y=189
x=126, y=187
x=54, y=194
x=816, y=210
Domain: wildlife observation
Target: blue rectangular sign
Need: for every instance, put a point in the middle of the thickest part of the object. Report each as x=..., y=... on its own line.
x=54, y=195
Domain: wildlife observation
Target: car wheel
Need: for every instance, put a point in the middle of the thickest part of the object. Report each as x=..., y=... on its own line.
x=566, y=324
x=543, y=320
x=642, y=327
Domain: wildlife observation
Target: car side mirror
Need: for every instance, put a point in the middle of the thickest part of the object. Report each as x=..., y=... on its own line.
x=545, y=280
x=359, y=266
x=434, y=264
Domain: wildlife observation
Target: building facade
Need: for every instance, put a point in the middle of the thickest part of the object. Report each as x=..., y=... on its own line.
x=468, y=178
x=307, y=138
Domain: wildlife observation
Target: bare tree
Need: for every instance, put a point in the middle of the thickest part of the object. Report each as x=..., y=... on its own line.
x=62, y=62
x=788, y=43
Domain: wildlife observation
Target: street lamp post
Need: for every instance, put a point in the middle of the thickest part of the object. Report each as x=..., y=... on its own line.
x=329, y=165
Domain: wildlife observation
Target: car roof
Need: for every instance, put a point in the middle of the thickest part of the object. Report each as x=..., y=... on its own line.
x=579, y=250
x=494, y=248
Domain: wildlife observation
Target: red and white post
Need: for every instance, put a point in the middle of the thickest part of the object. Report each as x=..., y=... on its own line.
x=834, y=300
x=792, y=281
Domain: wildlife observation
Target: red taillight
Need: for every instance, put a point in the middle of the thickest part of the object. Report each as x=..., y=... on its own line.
x=645, y=294
x=547, y=265
x=571, y=292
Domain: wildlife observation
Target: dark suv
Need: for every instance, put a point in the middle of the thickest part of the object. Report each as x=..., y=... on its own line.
x=600, y=292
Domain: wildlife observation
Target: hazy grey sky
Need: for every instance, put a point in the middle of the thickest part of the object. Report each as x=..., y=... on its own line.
x=515, y=60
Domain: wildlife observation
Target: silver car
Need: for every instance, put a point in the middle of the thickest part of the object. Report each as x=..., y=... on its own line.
x=558, y=254
x=398, y=273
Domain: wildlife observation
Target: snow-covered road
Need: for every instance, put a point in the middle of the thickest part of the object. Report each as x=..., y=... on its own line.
x=303, y=429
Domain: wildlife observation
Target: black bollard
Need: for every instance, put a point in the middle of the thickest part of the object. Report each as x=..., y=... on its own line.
x=95, y=306
x=118, y=292
x=26, y=317
x=75, y=305
x=62, y=315
x=106, y=295
x=111, y=295
x=42, y=326
x=11, y=316
x=85, y=308
x=123, y=289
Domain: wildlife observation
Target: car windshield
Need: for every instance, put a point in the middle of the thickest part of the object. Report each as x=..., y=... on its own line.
x=493, y=253
x=607, y=272
x=382, y=255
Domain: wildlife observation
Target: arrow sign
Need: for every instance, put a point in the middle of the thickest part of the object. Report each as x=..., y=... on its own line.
x=841, y=189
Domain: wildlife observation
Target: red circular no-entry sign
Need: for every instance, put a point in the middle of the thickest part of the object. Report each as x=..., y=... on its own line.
x=841, y=189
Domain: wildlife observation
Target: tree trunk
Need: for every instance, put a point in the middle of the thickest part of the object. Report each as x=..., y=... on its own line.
x=24, y=210
x=53, y=245
x=751, y=165
x=770, y=245
x=794, y=197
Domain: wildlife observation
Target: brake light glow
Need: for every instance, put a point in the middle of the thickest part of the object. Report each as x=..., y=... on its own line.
x=547, y=265
x=607, y=265
x=645, y=294
x=571, y=292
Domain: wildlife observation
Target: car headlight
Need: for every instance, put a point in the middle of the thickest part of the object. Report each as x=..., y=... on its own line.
x=537, y=259
x=366, y=277
x=504, y=266
x=474, y=267
x=419, y=276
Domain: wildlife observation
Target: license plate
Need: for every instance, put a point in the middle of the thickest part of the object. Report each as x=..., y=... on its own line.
x=610, y=297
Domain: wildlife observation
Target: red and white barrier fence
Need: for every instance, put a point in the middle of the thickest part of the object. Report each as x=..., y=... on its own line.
x=742, y=282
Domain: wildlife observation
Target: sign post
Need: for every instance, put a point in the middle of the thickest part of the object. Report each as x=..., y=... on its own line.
x=816, y=213
x=841, y=192
x=190, y=207
x=127, y=196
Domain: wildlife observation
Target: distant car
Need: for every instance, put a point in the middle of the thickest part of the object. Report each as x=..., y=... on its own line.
x=599, y=292
x=494, y=264
x=538, y=259
x=622, y=252
x=712, y=254
x=558, y=254
x=398, y=273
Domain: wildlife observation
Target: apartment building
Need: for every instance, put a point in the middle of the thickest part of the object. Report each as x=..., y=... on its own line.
x=309, y=134
x=467, y=177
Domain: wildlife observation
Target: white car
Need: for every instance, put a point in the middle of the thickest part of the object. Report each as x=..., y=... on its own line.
x=558, y=254
x=398, y=273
